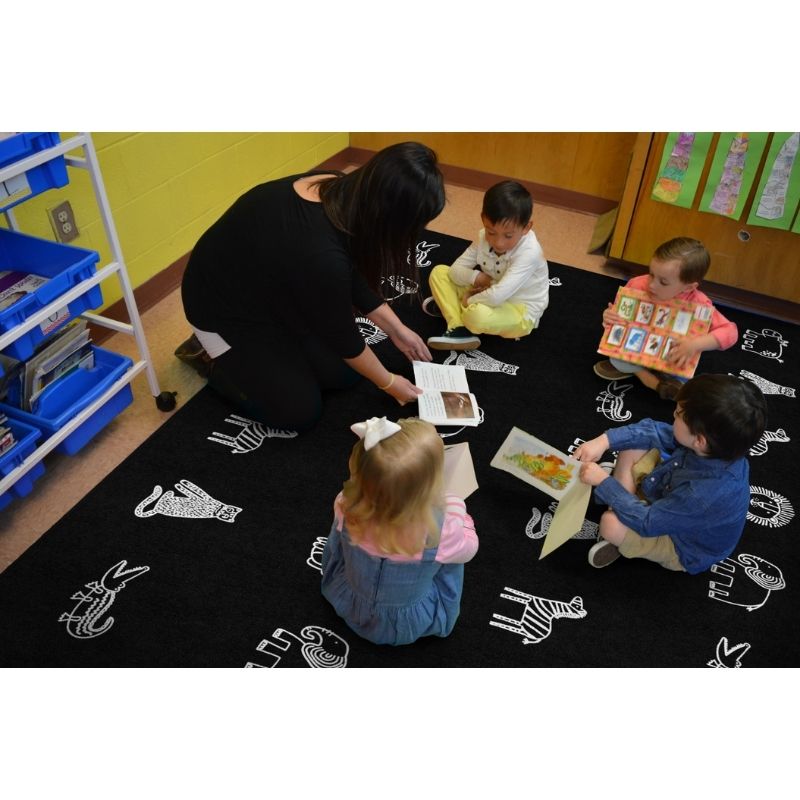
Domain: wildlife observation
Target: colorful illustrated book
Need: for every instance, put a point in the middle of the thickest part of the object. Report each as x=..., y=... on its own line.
x=555, y=473
x=653, y=329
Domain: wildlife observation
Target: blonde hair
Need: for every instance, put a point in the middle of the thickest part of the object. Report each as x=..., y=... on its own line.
x=395, y=488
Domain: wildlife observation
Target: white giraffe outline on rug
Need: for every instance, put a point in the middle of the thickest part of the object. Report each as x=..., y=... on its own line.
x=314, y=559
x=612, y=402
x=423, y=249
x=369, y=331
x=767, y=343
x=773, y=509
x=763, y=578
x=82, y=621
x=477, y=361
x=589, y=529
x=192, y=503
x=251, y=437
x=729, y=657
x=538, y=614
x=320, y=647
x=767, y=387
x=762, y=445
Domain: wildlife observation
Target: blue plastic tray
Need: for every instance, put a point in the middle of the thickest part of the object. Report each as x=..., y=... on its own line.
x=50, y=175
x=67, y=396
x=63, y=265
x=26, y=436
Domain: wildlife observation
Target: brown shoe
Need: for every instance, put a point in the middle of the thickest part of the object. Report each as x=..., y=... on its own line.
x=607, y=371
x=603, y=553
x=668, y=388
x=193, y=353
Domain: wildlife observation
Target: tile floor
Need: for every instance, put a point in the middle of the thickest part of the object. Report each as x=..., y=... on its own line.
x=564, y=236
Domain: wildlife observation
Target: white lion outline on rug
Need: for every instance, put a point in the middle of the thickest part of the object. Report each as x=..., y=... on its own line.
x=193, y=503
x=774, y=509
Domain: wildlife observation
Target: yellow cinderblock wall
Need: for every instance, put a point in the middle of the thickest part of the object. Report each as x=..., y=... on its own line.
x=165, y=189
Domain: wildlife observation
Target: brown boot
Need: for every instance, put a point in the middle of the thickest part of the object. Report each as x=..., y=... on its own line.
x=191, y=352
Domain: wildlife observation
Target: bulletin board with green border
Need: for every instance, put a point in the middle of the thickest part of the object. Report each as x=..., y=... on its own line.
x=778, y=193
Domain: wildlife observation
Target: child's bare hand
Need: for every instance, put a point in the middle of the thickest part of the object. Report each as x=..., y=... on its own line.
x=592, y=450
x=682, y=351
x=610, y=317
x=592, y=474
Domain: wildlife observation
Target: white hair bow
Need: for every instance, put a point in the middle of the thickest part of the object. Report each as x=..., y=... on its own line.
x=374, y=430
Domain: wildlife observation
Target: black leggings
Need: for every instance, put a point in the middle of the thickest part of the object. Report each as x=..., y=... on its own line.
x=279, y=383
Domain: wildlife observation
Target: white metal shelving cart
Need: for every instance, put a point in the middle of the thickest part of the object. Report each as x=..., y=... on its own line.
x=165, y=400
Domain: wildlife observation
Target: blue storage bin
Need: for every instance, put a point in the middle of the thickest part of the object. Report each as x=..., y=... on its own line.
x=26, y=436
x=50, y=175
x=67, y=396
x=65, y=266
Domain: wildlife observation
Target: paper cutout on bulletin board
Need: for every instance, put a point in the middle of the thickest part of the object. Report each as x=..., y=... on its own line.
x=732, y=173
x=682, y=162
x=778, y=190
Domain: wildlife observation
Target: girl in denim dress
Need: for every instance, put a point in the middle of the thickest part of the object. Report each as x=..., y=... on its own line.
x=393, y=565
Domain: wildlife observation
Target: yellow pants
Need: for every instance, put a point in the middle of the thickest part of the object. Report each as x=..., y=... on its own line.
x=508, y=320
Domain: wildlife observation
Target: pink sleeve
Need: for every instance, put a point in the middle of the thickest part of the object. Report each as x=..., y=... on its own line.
x=723, y=330
x=458, y=542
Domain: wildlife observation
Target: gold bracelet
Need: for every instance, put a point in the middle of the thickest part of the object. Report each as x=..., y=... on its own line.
x=391, y=381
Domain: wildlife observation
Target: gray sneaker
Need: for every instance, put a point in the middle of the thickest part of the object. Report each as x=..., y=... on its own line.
x=454, y=339
x=603, y=553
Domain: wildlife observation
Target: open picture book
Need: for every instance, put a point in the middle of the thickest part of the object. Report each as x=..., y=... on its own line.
x=446, y=399
x=652, y=330
x=553, y=472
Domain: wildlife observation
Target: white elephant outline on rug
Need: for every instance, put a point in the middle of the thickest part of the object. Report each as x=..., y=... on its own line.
x=763, y=576
x=320, y=647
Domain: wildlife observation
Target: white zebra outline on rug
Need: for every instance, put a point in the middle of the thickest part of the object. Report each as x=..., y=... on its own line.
x=612, y=402
x=767, y=343
x=538, y=614
x=762, y=576
x=251, y=437
x=729, y=657
x=194, y=503
x=477, y=361
x=762, y=445
x=320, y=647
x=82, y=621
x=767, y=387
x=769, y=508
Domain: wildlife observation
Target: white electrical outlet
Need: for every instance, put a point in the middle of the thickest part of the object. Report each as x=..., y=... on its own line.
x=63, y=221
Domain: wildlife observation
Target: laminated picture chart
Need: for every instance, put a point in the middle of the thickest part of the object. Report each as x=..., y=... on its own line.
x=653, y=329
x=537, y=463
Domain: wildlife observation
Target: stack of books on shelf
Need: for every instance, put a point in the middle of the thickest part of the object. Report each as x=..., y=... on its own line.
x=57, y=356
x=7, y=440
x=15, y=285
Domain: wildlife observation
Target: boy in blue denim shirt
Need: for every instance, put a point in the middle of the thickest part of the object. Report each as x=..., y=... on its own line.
x=679, y=493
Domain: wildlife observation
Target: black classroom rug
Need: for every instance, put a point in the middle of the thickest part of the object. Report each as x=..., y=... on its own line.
x=108, y=586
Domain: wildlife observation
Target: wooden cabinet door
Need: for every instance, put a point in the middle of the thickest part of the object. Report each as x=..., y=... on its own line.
x=762, y=260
